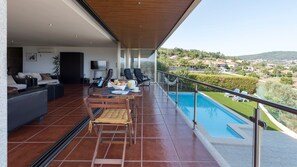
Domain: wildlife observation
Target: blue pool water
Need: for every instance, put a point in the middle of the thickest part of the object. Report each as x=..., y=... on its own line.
x=213, y=117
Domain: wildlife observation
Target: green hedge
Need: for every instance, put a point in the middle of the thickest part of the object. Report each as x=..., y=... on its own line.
x=248, y=84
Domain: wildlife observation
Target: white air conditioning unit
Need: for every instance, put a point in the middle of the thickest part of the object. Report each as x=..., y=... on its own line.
x=45, y=50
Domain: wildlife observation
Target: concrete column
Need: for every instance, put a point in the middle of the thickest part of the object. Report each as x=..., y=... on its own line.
x=128, y=58
x=3, y=83
x=155, y=74
x=119, y=60
x=139, y=56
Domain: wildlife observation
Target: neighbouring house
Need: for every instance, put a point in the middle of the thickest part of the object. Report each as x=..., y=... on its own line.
x=174, y=57
x=232, y=64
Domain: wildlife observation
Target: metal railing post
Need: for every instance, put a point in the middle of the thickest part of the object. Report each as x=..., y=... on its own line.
x=158, y=77
x=163, y=84
x=167, y=88
x=176, y=97
x=257, y=138
x=195, y=106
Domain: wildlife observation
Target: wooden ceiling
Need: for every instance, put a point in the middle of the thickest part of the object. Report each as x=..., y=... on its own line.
x=140, y=23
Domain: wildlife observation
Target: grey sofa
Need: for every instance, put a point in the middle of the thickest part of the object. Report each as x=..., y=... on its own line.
x=25, y=107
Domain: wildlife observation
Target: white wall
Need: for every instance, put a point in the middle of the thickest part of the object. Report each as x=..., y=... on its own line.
x=3, y=83
x=44, y=60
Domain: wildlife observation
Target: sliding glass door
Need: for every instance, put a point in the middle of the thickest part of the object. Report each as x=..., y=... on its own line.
x=145, y=59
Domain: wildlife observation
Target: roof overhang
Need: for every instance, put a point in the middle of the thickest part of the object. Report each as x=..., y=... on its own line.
x=53, y=23
x=141, y=23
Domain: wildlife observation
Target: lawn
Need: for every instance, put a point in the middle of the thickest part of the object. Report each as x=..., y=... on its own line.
x=245, y=109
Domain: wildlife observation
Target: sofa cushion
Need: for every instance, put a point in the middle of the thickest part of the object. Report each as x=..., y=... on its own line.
x=10, y=80
x=46, y=76
x=23, y=75
x=52, y=81
x=18, y=86
x=36, y=75
x=12, y=90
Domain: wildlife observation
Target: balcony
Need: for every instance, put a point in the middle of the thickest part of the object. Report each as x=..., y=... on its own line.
x=165, y=134
x=164, y=138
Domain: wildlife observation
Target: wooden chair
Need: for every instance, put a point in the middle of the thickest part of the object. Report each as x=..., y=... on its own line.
x=116, y=112
x=133, y=108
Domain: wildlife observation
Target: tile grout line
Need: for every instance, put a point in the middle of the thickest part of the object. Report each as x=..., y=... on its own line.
x=73, y=148
x=26, y=141
x=109, y=145
x=141, y=146
x=45, y=127
x=170, y=135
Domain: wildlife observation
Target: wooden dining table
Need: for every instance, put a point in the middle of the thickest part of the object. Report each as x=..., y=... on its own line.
x=108, y=92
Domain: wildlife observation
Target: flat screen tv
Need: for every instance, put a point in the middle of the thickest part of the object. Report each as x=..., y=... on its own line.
x=94, y=65
x=98, y=65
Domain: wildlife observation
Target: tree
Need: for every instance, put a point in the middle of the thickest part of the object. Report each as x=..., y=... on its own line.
x=289, y=74
x=211, y=70
x=184, y=72
x=200, y=65
x=184, y=63
x=162, y=66
x=283, y=94
x=265, y=71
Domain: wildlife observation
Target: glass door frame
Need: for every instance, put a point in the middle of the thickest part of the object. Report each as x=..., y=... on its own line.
x=127, y=58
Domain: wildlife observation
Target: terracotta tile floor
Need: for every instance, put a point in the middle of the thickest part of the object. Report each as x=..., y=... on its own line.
x=163, y=139
x=27, y=143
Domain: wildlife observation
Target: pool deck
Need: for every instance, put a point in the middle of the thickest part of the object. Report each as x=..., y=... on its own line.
x=278, y=149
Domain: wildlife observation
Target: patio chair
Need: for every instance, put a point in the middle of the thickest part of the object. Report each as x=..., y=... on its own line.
x=238, y=99
x=141, y=79
x=170, y=83
x=101, y=82
x=230, y=94
x=128, y=74
x=107, y=78
x=115, y=112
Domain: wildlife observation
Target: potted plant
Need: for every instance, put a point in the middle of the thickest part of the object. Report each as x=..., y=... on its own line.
x=56, y=62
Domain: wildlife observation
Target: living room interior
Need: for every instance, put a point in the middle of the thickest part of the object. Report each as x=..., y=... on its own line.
x=39, y=31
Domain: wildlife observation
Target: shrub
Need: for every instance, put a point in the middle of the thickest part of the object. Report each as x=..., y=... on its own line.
x=289, y=74
x=184, y=72
x=162, y=66
x=248, y=84
x=286, y=81
x=241, y=72
x=253, y=74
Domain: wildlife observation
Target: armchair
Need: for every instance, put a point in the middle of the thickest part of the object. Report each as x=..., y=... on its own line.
x=141, y=79
x=128, y=74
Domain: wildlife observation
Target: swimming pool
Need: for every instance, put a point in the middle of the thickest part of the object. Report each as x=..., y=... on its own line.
x=213, y=117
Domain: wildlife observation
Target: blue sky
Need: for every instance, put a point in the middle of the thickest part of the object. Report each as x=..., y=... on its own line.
x=239, y=27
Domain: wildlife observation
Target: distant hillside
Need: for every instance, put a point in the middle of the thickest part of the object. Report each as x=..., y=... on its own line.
x=277, y=55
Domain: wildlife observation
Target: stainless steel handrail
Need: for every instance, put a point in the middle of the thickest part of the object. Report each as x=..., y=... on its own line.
x=252, y=98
